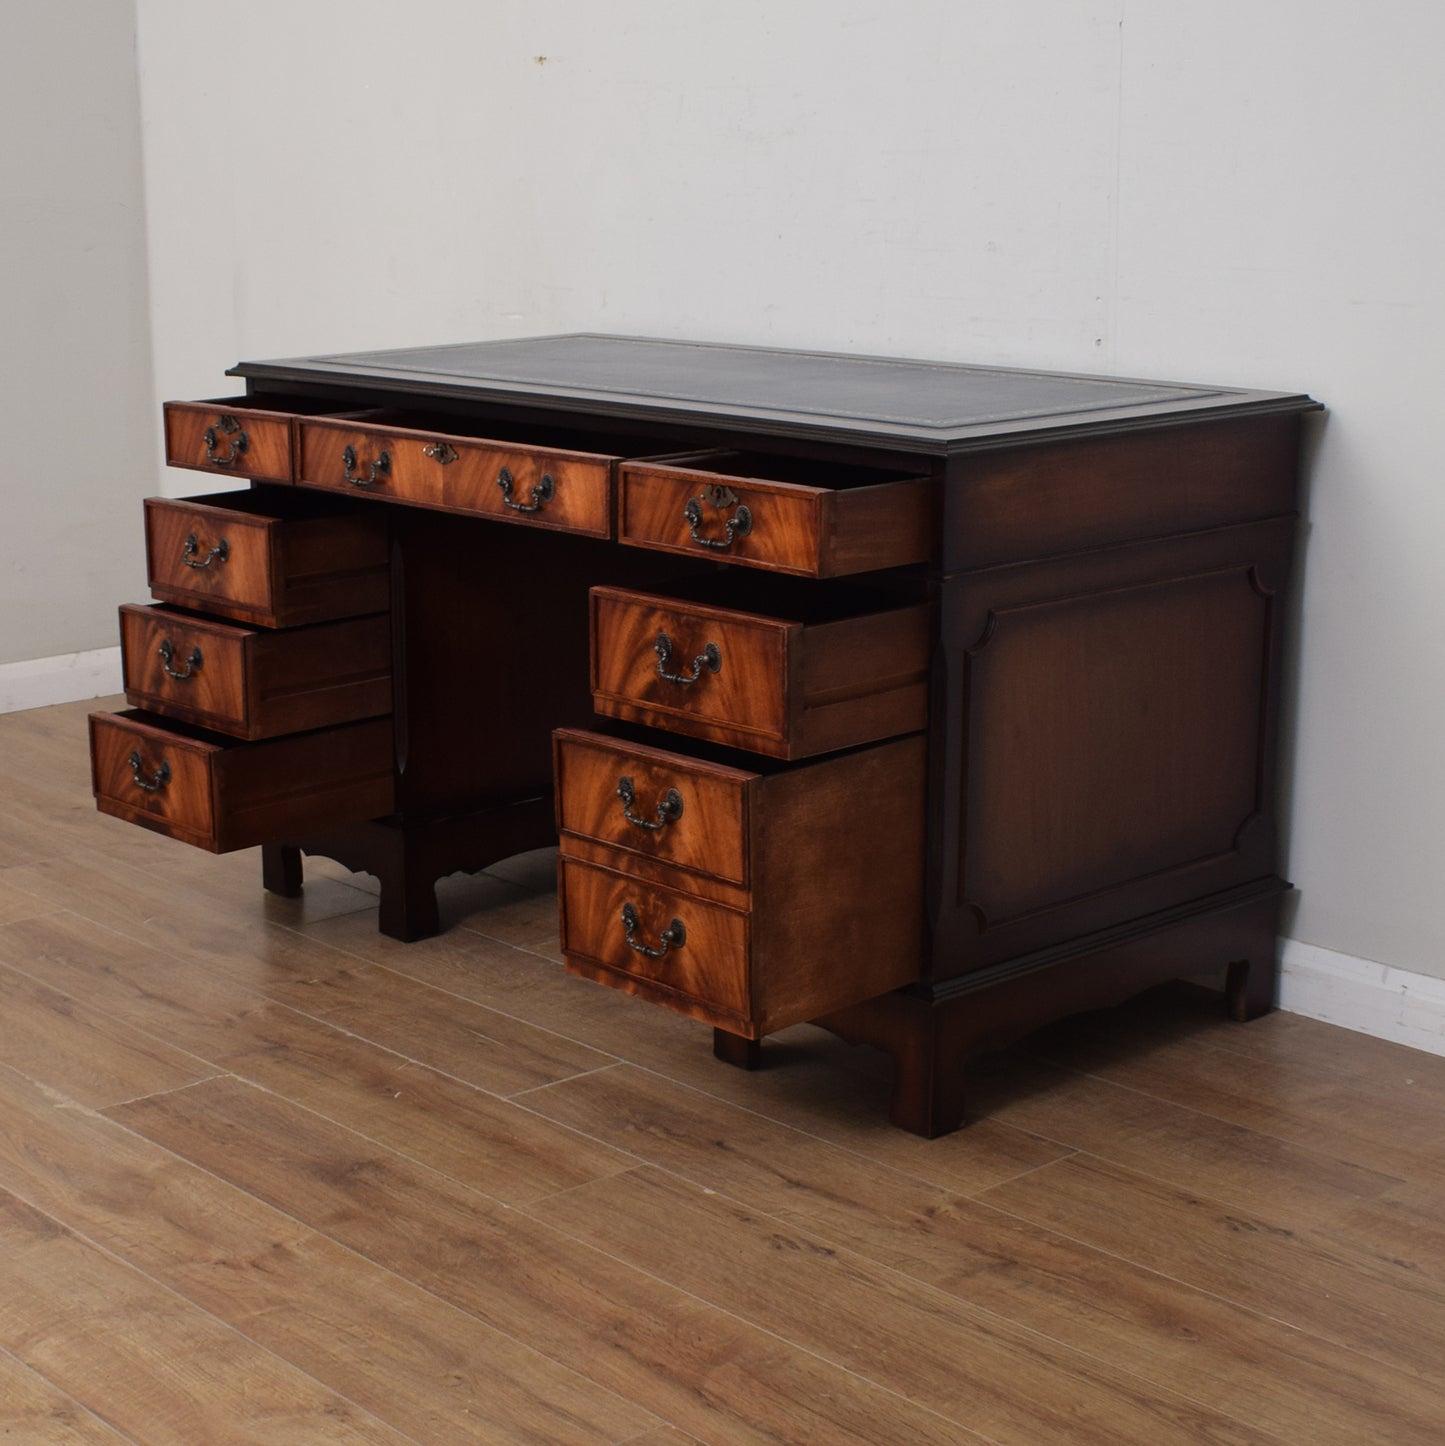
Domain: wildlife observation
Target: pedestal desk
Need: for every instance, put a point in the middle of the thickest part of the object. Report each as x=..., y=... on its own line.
x=926, y=702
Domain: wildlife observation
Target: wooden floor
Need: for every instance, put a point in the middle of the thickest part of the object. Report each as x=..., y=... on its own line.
x=267, y=1176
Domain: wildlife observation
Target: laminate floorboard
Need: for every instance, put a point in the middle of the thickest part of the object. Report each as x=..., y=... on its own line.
x=703, y=1368
x=267, y=1175
x=384, y=1342
x=35, y=1412
x=151, y=1364
x=810, y=1079
x=1094, y=1301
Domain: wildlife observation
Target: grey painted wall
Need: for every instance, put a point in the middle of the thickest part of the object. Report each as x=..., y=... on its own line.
x=77, y=448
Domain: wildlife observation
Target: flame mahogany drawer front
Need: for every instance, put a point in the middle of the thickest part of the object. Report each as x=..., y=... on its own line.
x=220, y=795
x=785, y=514
x=509, y=481
x=273, y=556
x=774, y=685
x=666, y=807
x=246, y=437
x=255, y=682
x=749, y=898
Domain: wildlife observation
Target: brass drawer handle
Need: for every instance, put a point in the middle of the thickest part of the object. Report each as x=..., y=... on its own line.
x=669, y=806
x=710, y=658
x=167, y=650
x=378, y=471
x=542, y=493
x=226, y=426
x=738, y=525
x=221, y=552
x=157, y=780
x=672, y=937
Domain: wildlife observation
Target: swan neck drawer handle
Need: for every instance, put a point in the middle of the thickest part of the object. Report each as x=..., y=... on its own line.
x=221, y=552
x=672, y=937
x=167, y=650
x=710, y=659
x=377, y=471
x=236, y=442
x=541, y=494
x=738, y=525
x=156, y=781
x=669, y=806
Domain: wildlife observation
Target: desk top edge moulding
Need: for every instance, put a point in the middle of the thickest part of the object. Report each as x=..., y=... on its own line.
x=912, y=404
x=924, y=702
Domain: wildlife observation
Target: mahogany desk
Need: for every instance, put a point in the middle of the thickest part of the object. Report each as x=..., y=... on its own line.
x=924, y=701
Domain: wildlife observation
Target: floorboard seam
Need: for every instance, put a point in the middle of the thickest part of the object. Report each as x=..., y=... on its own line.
x=161, y=1094
x=70, y=1396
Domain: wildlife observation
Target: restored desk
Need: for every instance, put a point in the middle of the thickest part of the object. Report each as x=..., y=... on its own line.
x=939, y=701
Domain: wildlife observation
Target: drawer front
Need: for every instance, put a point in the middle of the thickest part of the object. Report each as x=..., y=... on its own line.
x=507, y=481
x=266, y=559
x=255, y=684
x=624, y=931
x=662, y=805
x=144, y=775
x=208, y=556
x=183, y=667
x=696, y=505
x=219, y=796
x=541, y=487
x=693, y=669
x=230, y=438
x=354, y=458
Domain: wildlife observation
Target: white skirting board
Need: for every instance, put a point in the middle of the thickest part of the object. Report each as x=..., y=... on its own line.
x=1361, y=995
x=64, y=679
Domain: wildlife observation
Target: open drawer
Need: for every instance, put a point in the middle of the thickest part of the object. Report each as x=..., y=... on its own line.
x=255, y=682
x=786, y=514
x=752, y=898
x=271, y=556
x=786, y=676
x=220, y=795
x=247, y=436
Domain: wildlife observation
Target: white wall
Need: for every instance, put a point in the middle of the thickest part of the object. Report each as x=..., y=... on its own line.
x=1242, y=193
x=78, y=452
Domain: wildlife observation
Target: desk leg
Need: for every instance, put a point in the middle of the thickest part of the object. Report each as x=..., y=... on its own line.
x=408, y=904
x=408, y=910
x=930, y=1078
x=281, y=870
x=934, y=1030
x=1251, y=982
x=735, y=1050
x=408, y=857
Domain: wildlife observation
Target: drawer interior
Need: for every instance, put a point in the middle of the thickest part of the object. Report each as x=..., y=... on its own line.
x=483, y=429
x=282, y=402
x=266, y=500
x=790, y=599
x=622, y=734
x=182, y=732
x=779, y=467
